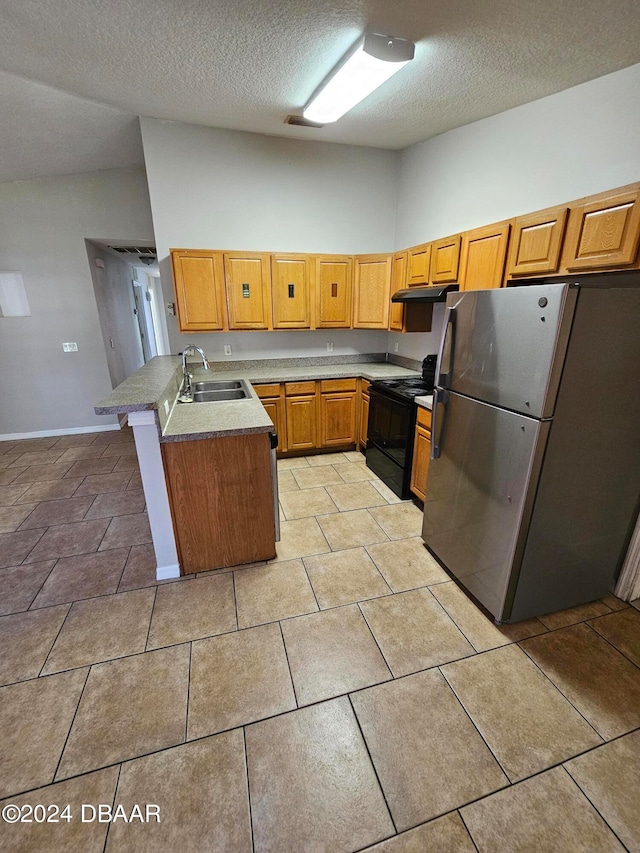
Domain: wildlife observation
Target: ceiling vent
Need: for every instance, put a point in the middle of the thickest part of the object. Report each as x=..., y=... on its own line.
x=301, y=121
x=142, y=251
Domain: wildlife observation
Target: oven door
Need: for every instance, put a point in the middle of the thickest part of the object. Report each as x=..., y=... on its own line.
x=389, y=440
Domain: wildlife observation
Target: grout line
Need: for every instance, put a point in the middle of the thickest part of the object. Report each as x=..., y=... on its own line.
x=35, y=544
x=113, y=803
x=304, y=569
x=124, y=568
x=594, y=806
x=153, y=607
x=375, y=769
x=286, y=654
x=375, y=640
x=73, y=719
x=235, y=600
x=55, y=563
x=186, y=719
x=609, y=642
x=55, y=640
x=467, y=829
x=246, y=770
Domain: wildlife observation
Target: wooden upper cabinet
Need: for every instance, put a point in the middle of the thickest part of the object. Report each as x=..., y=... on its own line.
x=198, y=278
x=334, y=275
x=445, y=260
x=603, y=233
x=398, y=282
x=371, y=286
x=292, y=291
x=418, y=261
x=536, y=242
x=248, y=284
x=484, y=251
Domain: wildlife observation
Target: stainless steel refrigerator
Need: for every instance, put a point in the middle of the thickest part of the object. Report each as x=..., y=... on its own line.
x=534, y=484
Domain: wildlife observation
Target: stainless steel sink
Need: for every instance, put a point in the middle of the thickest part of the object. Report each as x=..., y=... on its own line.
x=216, y=391
x=216, y=385
x=221, y=395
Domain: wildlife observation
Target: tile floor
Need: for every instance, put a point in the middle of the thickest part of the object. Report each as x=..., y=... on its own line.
x=345, y=696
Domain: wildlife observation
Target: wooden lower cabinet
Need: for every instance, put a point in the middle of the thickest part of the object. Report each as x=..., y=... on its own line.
x=421, y=454
x=272, y=398
x=221, y=498
x=302, y=422
x=337, y=412
x=364, y=414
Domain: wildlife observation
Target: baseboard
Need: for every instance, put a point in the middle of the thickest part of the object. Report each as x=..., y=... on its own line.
x=165, y=573
x=45, y=433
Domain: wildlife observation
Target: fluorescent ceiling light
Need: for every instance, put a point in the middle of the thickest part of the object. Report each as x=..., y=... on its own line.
x=373, y=60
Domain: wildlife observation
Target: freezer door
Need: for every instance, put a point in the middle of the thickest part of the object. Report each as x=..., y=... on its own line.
x=479, y=494
x=506, y=347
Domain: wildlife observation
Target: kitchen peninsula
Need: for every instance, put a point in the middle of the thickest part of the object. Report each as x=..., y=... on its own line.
x=205, y=467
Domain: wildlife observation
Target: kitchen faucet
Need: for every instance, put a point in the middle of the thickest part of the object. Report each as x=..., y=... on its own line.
x=187, y=375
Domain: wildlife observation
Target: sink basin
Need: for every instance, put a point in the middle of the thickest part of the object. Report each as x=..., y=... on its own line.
x=216, y=385
x=217, y=391
x=220, y=395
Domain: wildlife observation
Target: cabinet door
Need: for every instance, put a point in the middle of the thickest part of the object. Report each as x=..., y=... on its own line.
x=603, y=233
x=302, y=428
x=248, y=284
x=418, y=261
x=372, y=283
x=536, y=242
x=484, y=251
x=364, y=419
x=445, y=260
x=398, y=282
x=198, y=278
x=272, y=399
x=338, y=419
x=334, y=276
x=291, y=290
x=420, y=466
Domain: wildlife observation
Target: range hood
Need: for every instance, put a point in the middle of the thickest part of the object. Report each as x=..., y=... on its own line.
x=436, y=293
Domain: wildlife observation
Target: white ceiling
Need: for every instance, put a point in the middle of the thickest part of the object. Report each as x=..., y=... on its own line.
x=246, y=64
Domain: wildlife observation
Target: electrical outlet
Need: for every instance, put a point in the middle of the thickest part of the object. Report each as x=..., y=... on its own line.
x=227, y=349
x=71, y=347
x=171, y=309
x=395, y=346
x=166, y=407
x=329, y=346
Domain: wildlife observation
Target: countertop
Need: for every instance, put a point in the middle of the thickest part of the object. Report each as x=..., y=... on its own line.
x=425, y=402
x=158, y=381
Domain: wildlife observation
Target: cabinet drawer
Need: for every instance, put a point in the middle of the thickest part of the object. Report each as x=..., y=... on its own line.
x=267, y=390
x=337, y=385
x=424, y=418
x=293, y=389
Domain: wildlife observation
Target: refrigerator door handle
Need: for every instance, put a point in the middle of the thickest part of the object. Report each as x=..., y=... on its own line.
x=449, y=321
x=439, y=396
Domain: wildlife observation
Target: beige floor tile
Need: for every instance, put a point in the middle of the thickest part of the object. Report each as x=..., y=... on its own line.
x=636, y=603
x=351, y=529
x=125, y=530
x=562, y=618
x=62, y=511
x=119, y=448
x=614, y=603
x=117, y=503
x=25, y=640
x=331, y=653
x=42, y=473
x=66, y=540
x=73, y=836
x=479, y=629
x=113, y=436
x=85, y=439
x=36, y=457
x=610, y=777
x=14, y=547
x=287, y=482
x=19, y=585
x=399, y=521
x=100, y=483
x=201, y=789
x=300, y=538
x=355, y=472
x=353, y=456
x=12, y=517
x=525, y=720
x=446, y=834
x=129, y=707
x=424, y=770
x=10, y=494
x=272, y=592
x=84, y=576
x=517, y=631
x=88, y=467
x=406, y=564
x=312, y=784
x=343, y=577
x=600, y=682
x=306, y=503
x=189, y=611
x=100, y=629
x=348, y=496
x=127, y=463
x=75, y=454
x=238, y=679
x=10, y=475
x=35, y=717
x=293, y=462
x=51, y=490
x=311, y=478
x=386, y=492
x=140, y=568
x=414, y=632
x=622, y=630
x=320, y=459
x=546, y=814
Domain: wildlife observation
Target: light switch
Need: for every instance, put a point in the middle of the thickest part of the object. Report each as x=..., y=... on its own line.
x=70, y=347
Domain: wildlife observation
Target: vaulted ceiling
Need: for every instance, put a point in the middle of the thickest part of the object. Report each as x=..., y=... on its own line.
x=74, y=74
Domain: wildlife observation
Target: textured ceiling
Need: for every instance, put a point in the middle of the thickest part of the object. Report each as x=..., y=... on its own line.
x=246, y=64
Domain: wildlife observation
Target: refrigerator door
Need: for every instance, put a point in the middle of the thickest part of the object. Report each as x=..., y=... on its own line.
x=506, y=347
x=479, y=494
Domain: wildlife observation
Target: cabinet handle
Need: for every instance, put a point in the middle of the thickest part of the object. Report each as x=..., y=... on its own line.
x=245, y=291
x=292, y=291
x=334, y=288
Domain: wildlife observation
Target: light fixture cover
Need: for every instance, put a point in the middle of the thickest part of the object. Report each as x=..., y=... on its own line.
x=13, y=296
x=371, y=61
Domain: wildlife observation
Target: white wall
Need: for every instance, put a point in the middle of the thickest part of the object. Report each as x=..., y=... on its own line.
x=575, y=143
x=221, y=189
x=44, y=224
